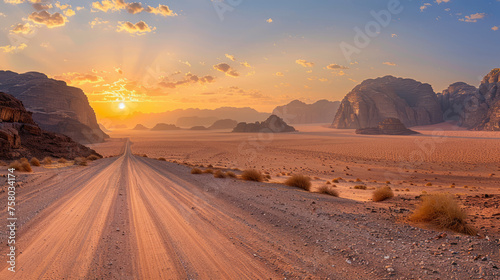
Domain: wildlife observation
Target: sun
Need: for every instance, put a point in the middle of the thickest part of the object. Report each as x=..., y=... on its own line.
x=121, y=106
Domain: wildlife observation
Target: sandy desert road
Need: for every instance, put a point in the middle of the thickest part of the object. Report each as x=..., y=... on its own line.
x=131, y=217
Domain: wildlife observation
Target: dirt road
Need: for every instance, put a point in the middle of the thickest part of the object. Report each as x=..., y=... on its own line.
x=137, y=218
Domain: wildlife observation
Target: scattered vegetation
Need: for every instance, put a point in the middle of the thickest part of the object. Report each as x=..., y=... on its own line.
x=35, y=162
x=3, y=163
x=443, y=211
x=382, y=194
x=208, y=171
x=299, y=181
x=162, y=159
x=360, y=187
x=21, y=165
x=81, y=161
x=95, y=157
x=428, y=184
x=252, y=175
x=47, y=160
x=219, y=174
x=230, y=174
x=328, y=189
x=62, y=160
x=196, y=171
x=387, y=182
x=358, y=180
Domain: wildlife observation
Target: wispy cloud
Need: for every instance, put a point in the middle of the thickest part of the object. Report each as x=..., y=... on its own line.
x=473, y=17
x=304, y=63
x=139, y=28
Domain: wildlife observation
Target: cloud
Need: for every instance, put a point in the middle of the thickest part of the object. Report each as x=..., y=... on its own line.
x=161, y=10
x=304, y=63
x=389, y=63
x=224, y=67
x=185, y=63
x=425, y=6
x=131, y=8
x=12, y=49
x=188, y=79
x=41, y=7
x=231, y=57
x=69, y=12
x=442, y=1
x=246, y=64
x=473, y=17
x=139, y=28
x=78, y=79
x=279, y=74
x=495, y=28
x=50, y=20
x=270, y=20
x=97, y=21
x=394, y=35
x=335, y=67
x=22, y=28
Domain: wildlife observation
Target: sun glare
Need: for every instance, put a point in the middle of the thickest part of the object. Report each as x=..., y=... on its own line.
x=121, y=106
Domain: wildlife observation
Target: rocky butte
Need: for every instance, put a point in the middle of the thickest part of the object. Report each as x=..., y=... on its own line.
x=375, y=100
x=56, y=106
x=390, y=126
x=20, y=136
x=273, y=124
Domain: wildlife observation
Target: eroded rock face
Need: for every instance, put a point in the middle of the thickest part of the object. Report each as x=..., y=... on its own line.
x=489, y=92
x=375, y=100
x=390, y=126
x=224, y=124
x=298, y=112
x=20, y=136
x=456, y=102
x=140, y=127
x=164, y=126
x=56, y=107
x=273, y=124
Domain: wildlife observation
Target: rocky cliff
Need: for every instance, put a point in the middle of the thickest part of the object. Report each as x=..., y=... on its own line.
x=164, y=126
x=455, y=103
x=390, y=126
x=224, y=124
x=375, y=100
x=298, y=112
x=489, y=96
x=273, y=124
x=56, y=107
x=20, y=136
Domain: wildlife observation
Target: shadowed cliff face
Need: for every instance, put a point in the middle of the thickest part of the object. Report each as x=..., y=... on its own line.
x=56, y=107
x=20, y=136
x=273, y=124
x=375, y=100
x=297, y=112
x=489, y=91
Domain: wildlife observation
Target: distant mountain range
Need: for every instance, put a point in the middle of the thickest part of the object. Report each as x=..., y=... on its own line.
x=298, y=112
x=56, y=107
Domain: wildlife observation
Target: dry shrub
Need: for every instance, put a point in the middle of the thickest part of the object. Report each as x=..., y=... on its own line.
x=328, y=189
x=47, y=160
x=443, y=211
x=35, y=162
x=144, y=155
x=328, y=182
x=219, y=174
x=81, y=161
x=3, y=163
x=62, y=160
x=196, y=171
x=428, y=184
x=208, y=171
x=382, y=193
x=358, y=180
x=230, y=174
x=360, y=187
x=21, y=166
x=93, y=157
x=23, y=159
x=162, y=159
x=252, y=175
x=299, y=181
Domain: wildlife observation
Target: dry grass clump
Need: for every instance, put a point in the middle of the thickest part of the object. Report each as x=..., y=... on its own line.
x=196, y=171
x=428, y=184
x=360, y=187
x=21, y=165
x=219, y=174
x=3, y=163
x=62, y=160
x=47, y=160
x=35, y=162
x=81, y=161
x=93, y=157
x=230, y=174
x=299, y=181
x=382, y=193
x=162, y=159
x=328, y=189
x=252, y=175
x=208, y=171
x=443, y=211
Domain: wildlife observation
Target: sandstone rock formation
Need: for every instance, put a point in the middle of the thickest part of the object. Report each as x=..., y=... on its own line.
x=455, y=103
x=273, y=124
x=164, y=126
x=224, y=124
x=489, y=96
x=20, y=136
x=140, y=127
x=198, y=127
x=56, y=107
x=375, y=100
x=390, y=126
x=298, y=112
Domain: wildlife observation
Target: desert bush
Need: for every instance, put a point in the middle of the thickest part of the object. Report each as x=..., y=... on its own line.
x=360, y=187
x=208, y=171
x=252, y=175
x=327, y=182
x=387, y=182
x=382, y=193
x=219, y=174
x=3, y=163
x=144, y=155
x=196, y=171
x=23, y=159
x=328, y=189
x=62, y=160
x=47, y=160
x=93, y=157
x=358, y=180
x=299, y=181
x=428, y=184
x=442, y=210
x=21, y=166
x=81, y=161
x=230, y=174
x=162, y=159
x=35, y=162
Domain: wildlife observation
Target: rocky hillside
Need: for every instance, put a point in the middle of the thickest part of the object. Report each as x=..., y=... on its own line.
x=224, y=124
x=140, y=127
x=164, y=126
x=20, y=136
x=56, y=107
x=455, y=101
x=390, y=126
x=375, y=100
x=298, y=112
x=489, y=96
x=273, y=124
